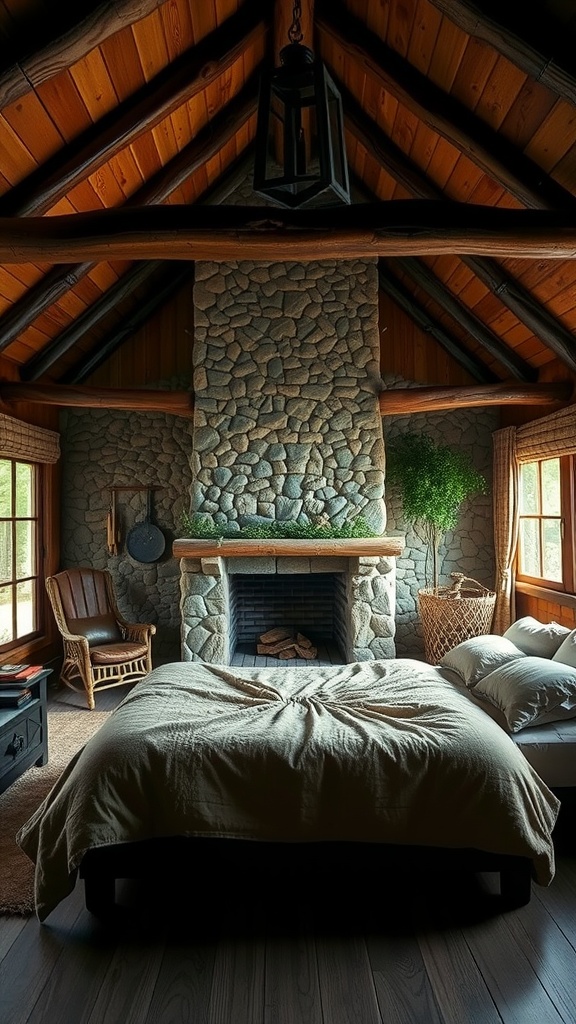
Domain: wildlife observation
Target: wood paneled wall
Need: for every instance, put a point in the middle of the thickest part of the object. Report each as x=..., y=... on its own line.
x=158, y=351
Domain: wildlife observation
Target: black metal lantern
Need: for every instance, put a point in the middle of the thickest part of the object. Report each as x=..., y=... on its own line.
x=300, y=149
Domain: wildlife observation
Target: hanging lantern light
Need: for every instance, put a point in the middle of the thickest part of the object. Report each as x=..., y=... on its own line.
x=300, y=148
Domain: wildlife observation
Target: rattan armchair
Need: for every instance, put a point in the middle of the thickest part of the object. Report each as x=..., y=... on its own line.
x=101, y=649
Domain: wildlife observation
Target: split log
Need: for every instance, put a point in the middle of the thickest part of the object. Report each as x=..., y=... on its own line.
x=285, y=644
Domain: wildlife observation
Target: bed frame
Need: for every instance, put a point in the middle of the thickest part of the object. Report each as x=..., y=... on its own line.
x=148, y=859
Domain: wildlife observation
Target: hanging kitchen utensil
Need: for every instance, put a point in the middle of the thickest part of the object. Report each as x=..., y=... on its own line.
x=145, y=541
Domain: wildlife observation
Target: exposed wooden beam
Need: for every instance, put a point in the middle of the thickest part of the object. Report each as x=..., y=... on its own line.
x=423, y=277
x=188, y=75
x=452, y=345
x=400, y=401
x=165, y=287
x=177, y=403
x=60, y=53
x=204, y=147
x=393, y=402
x=139, y=274
x=529, y=311
x=508, y=291
x=403, y=228
x=439, y=111
x=541, y=67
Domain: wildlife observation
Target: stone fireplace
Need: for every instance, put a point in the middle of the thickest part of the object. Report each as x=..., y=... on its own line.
x=287, y=427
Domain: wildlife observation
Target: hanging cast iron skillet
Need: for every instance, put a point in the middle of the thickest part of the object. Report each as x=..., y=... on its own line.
x=146, y=542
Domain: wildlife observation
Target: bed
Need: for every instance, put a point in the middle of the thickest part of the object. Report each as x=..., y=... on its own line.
x=391, y=757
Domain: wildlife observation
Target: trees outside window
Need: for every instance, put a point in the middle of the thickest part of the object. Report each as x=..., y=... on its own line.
x=546, y=517
x=20, y=607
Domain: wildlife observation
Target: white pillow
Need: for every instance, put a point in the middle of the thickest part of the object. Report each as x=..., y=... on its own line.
x=531, y=691
x=537, y=638
x=475, y=658
x=566, y=653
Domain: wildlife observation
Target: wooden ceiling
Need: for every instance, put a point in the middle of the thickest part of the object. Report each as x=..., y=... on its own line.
x=125, y=128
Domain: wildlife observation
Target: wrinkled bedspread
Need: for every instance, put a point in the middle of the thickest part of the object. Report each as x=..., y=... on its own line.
x=386, y=751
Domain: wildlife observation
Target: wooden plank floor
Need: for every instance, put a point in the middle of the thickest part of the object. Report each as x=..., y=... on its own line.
x=286, y=943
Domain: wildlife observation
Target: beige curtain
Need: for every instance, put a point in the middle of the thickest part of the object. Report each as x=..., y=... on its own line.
x=505, y=491
x=546, y=438
x=19, y=440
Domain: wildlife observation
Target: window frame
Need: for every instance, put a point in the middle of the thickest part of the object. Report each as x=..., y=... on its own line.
x=567, y=519
x=35, y=516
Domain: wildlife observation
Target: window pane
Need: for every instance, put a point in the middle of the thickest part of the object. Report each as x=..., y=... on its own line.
x=552, y=553
x=6, y=630
x=5, y=552
x=25, y=554
x=19, y=614
x=25, y=613
x=551, y=487
x=24, y=490
x=529, y=547
x=529, y=495
x=5, y=486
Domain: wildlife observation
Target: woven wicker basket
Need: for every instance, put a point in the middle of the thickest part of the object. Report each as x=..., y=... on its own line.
x=452, y=614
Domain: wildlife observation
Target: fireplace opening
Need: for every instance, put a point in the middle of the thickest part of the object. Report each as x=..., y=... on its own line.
x=309, y=603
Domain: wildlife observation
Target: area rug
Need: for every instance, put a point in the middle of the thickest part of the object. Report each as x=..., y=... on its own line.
x=69, y=728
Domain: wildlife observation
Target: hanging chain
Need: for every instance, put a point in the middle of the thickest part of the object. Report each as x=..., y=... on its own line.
x=295, y=32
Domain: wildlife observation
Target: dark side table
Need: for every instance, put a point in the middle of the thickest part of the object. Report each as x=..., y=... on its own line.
x=24, y=733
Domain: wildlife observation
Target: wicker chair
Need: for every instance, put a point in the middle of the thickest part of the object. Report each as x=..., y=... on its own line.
x=100, y=649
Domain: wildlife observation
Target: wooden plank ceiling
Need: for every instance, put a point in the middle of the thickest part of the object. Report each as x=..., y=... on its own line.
x=151, y=104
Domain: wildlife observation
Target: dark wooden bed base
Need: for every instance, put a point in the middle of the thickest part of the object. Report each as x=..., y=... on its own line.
x=150, y=859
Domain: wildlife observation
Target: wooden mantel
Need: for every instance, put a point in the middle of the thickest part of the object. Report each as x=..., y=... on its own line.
x=353, y=547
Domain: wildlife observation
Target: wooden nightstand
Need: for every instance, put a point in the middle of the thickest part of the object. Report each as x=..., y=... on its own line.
x=24, y=733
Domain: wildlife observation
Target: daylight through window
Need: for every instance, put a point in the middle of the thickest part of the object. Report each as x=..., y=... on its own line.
x=19, y=581
x=545, y=542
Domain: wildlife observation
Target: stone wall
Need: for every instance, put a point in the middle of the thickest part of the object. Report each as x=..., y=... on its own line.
x=102, y=449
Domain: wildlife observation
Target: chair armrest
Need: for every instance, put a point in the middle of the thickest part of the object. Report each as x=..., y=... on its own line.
x=140, y=632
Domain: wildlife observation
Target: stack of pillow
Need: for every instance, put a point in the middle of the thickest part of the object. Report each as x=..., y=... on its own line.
x=529, y=673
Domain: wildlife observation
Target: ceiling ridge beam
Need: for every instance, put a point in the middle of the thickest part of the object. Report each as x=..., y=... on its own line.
x=449, y=118
x=207, y=143
x=545, y=70
x=424, y=278
x=427, y=323
x=63, y=51
x=187, y=76
x=509, y=292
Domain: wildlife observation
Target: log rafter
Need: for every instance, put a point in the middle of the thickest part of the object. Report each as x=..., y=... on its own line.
x=189, y=75
x=509, y=291
x=540, y=66
x=438, y=110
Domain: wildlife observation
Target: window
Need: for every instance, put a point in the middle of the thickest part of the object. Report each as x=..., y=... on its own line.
x=19, y=543
x=545, y=538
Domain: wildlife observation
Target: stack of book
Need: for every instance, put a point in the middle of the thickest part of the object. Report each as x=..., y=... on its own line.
x=14, y=698
x=14, y=680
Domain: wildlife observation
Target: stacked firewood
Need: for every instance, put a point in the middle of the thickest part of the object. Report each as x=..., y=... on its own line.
x=285, y=644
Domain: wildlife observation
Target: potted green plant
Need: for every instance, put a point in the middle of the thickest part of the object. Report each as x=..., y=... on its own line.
x=434, y=480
